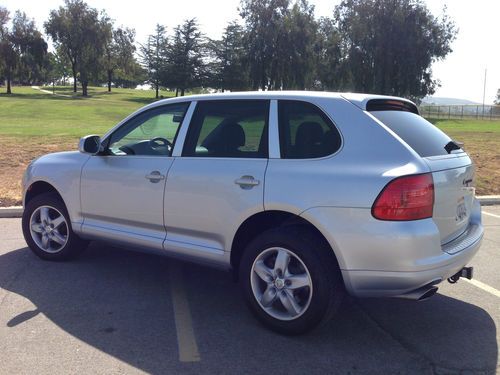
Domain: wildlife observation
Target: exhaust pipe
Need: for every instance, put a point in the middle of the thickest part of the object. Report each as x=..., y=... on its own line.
x=421, y=294
x=428, y=294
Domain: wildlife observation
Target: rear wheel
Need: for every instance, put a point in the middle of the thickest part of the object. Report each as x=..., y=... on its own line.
x=47, y=229
x=291, y=280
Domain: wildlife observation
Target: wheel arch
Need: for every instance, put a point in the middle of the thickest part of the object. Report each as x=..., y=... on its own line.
x=265, y=220
x=40, y=187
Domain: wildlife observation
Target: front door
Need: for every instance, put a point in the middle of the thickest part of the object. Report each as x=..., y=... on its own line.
x=122, y=188
x=219, y=179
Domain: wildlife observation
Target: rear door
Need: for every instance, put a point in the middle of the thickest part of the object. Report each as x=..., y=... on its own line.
x=452, y=169
x=219, y=178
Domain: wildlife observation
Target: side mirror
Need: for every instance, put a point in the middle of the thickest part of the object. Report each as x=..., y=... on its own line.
x=90, y=144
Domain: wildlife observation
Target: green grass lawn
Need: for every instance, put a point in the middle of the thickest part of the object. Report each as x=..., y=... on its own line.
x=29, y=112
x=33, y=123
x=482, y=141
x=467, y=126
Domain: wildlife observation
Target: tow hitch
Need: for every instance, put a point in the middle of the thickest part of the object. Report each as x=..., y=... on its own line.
x=464, y=272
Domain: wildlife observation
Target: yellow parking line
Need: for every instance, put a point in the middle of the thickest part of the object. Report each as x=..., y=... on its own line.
x=484, y=287
x=487, y=213
x=186, y=341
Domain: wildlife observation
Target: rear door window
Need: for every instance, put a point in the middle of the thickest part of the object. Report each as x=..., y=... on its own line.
x=422, y=136
x=229, y=129
x=305, y=131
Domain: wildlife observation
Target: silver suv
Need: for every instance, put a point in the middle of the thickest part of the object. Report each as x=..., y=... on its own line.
x=303, y=195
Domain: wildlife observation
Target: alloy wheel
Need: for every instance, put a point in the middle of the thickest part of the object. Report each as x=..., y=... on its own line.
x=49, y=229
x=281, y=283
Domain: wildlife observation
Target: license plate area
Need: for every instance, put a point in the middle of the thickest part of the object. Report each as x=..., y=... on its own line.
x=462, y=212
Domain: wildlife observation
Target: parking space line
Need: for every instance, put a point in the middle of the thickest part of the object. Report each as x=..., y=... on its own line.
x=186, y=341
x=489, y=214
x=484, y=287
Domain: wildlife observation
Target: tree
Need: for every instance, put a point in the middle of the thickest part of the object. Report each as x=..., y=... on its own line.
x=50, y=69
x=227, y=70
x=92, y=49
x=497, y=100
x=10, y=59
x=153, y=56
x=8, y=56
x=296, y=56
x=390, y=45
x=30, y=47
x=4, y=18
x=264, y=21
x=132, y=76
x=78, y=32
x=22, y=49
x=60, y=66
x=186, y=68
x=119, y=51
x=330, y=72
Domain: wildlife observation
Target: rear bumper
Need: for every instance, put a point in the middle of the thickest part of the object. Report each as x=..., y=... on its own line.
x=392, y=259
x=365, y=283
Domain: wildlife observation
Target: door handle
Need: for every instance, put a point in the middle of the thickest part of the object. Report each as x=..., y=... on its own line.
x=246, y=182
x=155, y=176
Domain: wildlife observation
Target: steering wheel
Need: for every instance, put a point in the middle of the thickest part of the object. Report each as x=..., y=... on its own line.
x=160, y=142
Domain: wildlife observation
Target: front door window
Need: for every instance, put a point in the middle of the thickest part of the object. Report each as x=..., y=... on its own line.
x=152, y=133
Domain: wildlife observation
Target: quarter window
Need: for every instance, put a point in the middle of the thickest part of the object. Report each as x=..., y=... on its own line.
x=229, y=128
x=150, y=133
x=305, y=131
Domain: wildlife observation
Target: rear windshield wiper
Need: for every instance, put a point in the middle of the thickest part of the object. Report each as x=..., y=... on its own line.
x=453, y=145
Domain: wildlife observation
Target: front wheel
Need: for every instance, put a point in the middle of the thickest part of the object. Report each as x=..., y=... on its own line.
x=47, y=229
x=291, y=280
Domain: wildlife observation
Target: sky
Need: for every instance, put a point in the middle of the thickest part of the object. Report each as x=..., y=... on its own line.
x=461, y=74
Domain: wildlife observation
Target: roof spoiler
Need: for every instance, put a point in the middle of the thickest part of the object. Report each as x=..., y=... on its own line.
x=391, y=105
x=369, y=102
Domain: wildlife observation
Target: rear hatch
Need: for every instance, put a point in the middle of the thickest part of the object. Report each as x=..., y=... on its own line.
x=452, y=169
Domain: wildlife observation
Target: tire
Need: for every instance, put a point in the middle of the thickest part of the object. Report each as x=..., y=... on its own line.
x=312, y=262
x=46, y=216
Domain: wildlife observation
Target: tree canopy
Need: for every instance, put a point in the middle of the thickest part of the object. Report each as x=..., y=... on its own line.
x=376, y=46
x=22, y=49
x=388, y=46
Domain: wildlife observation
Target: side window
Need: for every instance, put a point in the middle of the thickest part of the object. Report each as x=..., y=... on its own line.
x=305, y=131
x=228, y=128
x=150, y=133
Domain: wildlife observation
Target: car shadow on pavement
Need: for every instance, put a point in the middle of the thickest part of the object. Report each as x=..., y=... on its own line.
x=119, y=302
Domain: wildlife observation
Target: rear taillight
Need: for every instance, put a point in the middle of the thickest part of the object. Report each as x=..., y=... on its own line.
x=406, y=198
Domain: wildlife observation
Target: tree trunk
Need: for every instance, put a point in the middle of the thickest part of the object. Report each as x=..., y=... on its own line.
x=9, y=91
x=84, y=88
x=176, y=92
x=182, y=91
x=110, y=77
x=74, y=79
x=157, y=88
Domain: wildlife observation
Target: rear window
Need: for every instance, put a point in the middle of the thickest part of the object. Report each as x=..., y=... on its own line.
x=423, y=137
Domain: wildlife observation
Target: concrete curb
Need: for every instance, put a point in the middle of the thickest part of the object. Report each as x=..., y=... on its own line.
x=489, y=200
x=17, y=211
x=9, y=212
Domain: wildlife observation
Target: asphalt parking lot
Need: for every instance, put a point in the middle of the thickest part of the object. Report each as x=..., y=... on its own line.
x=114, y=312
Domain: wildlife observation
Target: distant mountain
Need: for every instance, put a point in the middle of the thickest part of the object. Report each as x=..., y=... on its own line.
x=436, y=100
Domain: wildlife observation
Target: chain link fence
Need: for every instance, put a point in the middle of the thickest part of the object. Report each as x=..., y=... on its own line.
x=460, y=112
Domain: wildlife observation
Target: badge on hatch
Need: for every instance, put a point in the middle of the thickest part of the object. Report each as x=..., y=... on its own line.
x=461, y=210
